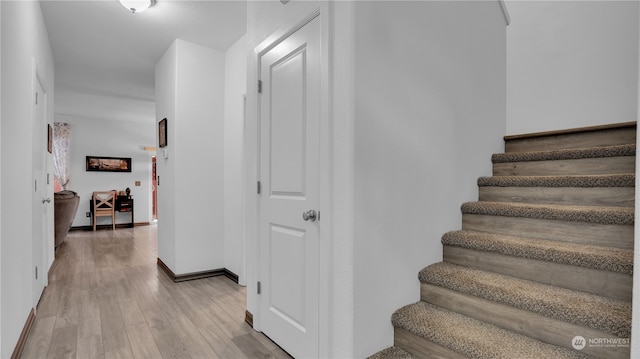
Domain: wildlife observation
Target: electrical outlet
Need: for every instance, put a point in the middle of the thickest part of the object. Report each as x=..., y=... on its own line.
x=88, y=214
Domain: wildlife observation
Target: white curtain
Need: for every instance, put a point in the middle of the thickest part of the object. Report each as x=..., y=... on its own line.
x=61, y=139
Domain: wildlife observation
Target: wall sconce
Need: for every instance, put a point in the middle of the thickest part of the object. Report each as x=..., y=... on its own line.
x=137, y=5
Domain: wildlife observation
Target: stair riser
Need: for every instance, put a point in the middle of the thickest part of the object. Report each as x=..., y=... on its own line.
x=607, y=284
x=611, y=235
x=611, y=137
x=421, y=347
x=596, y=196
x=523, y=322
x=583, y=166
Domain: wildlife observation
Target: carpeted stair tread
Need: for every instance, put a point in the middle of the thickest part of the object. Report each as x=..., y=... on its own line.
x=392, y=353
x=570, y=154
x=589, y=214
x=589, y=310
x=585, y=181
x=587, y=256
x=471, y=337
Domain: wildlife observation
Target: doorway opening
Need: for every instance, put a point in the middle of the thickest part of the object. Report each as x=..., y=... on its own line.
x=154, y=192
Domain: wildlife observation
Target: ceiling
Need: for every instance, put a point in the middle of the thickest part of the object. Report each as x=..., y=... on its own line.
x=105, y=56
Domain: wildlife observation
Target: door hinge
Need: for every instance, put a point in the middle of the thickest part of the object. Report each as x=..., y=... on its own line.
x=36, y=272
x=259, y=187
x=36, y=98
x=259, y=288
x=35, y=185
x=259, y=86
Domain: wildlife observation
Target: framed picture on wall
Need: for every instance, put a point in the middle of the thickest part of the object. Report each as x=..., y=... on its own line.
x=162, y=133
x=108, y=164
x=50, y=138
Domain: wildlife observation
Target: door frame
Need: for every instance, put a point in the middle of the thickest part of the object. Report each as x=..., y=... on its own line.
x=46, y=241
x=324, y=287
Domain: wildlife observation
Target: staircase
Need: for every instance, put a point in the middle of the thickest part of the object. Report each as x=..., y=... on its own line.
x=542, y=267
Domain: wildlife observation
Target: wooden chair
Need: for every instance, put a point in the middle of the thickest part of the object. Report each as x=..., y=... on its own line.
x=104, y=204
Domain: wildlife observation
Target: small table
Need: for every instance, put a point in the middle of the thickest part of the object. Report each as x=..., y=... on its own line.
x=125, y=204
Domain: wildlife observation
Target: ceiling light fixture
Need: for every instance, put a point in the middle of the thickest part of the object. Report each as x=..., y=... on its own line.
x=137, y=5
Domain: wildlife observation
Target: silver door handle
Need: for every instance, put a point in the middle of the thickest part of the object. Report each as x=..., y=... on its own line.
x=48, y=200
x=310, y=215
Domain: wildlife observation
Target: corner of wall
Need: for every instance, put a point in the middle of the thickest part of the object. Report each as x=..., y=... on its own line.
x=635, y=320
x=2, y=344
x=505, y=12
x=234, y=122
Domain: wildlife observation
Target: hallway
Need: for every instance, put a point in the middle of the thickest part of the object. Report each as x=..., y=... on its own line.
x=108, y=299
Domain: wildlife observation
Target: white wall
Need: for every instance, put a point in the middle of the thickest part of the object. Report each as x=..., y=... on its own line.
x=235, y=90
x=190, y=94
x=165, y=76
x=571, y=64
x=23, y=38
x=99, y=137
x=430, y=111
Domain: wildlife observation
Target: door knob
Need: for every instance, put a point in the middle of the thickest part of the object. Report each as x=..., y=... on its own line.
x=48, y=200
x=310, y=215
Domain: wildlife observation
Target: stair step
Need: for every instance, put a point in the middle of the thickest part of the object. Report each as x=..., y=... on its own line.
x=594, y=136
x=616, y=190
x=392, y=353
x=583, y=161
x=604, y=226
x=608, y=315
x=421, y=347
x=469, y=337
x=587, y=256
x=618, y=236
x=590, y=181
x=536, y=326
x=587, y=214
x=568, y=154
x=604, y=283
x=586, y=166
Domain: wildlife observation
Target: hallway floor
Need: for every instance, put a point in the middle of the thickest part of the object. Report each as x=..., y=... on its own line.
x=107, y=298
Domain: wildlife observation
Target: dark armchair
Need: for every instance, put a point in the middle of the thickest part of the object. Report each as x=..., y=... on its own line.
x=65, y=205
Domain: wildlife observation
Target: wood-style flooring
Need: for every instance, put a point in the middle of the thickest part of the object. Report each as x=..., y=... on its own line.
x=107, y=298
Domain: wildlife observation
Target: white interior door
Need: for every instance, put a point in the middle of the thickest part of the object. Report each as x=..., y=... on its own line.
x=289, y=171
x=40, y=201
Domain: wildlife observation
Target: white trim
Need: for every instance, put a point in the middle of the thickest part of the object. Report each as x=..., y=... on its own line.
x=505, y=12
x=339, y=283
x=242, y=280
x=2, y=342
x=326, y=201
x=275, y=39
